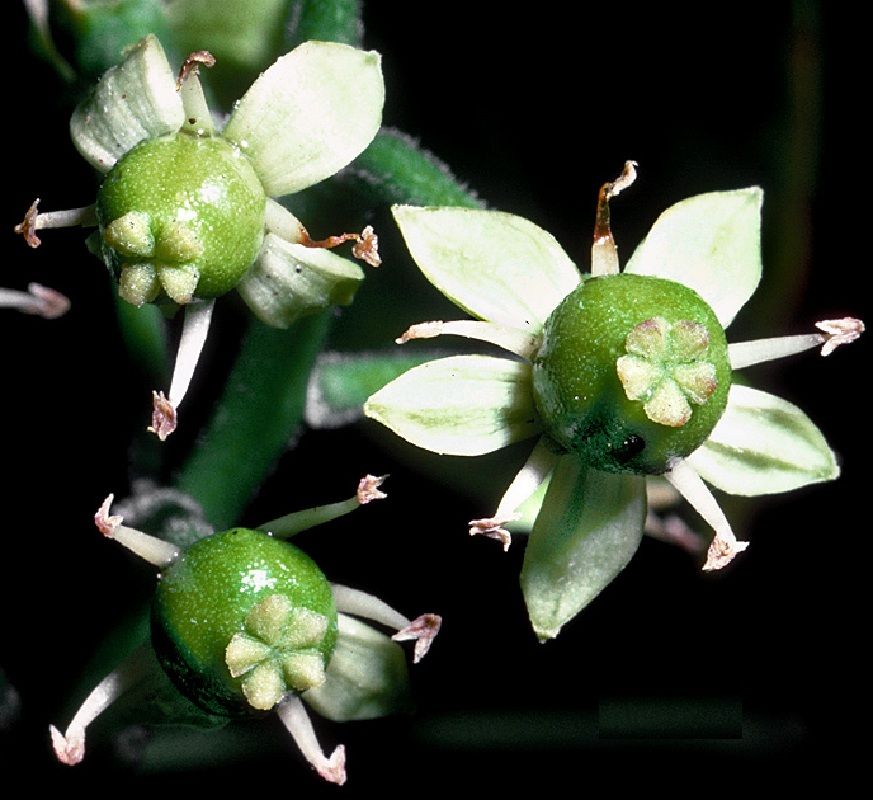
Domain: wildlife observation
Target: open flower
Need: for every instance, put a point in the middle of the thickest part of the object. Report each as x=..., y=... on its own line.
x=245, y=622
x=185, y=214
x=621, y=375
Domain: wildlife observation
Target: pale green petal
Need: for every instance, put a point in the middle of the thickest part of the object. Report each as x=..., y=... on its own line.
x=462, y=406
x=711, y=243
x=309, y=115
x=366, y=678
x=494, y=265
x=763, y=445
x=289, y=280
x=590, y=525
x=133, y=101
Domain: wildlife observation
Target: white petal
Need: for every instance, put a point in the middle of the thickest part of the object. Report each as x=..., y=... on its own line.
x=711, y=243
x=497, y=266
x=309, y=114
x=463, y=405
x=763, y=445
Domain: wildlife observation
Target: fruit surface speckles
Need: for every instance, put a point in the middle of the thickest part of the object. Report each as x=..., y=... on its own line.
x=184, y=201
x=577, y=384
x=205, y=598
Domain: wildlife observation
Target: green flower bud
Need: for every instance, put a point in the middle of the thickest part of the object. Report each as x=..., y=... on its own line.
x=189, y=207
x=632, y=374
x=240, y=619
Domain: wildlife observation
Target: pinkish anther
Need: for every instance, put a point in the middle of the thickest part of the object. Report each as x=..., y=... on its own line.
x=27, y=226
x=423, y=630
x=368, y=489
x=839, y=331
x=106, y=524
x=163, y=416
x=492, y=527
x=722, y=551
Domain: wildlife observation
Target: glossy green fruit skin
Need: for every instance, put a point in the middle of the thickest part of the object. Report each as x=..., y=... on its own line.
x=203, y=181
x=203, y=599
x=577, y=389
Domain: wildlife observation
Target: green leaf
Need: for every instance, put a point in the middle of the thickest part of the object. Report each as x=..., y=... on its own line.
x=133, y=101
x=366, y=677
x=590, y=525
x=497, y=266
x=463, y=405
x=309, y=115
x=763, y=445
x=712, y=244
x=340, y=384
x=289, y=280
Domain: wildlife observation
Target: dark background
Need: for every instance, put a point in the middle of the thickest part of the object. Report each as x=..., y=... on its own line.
x=758, y=667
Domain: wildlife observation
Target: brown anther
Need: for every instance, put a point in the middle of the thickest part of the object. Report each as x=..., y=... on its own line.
x=366, y=247
x=602, y=230
x=722, y=551
x=492, y=527
x=163, y=416
x=191, y=65
x=368, y=489
x=27, y=226
x=839, y=331
x=423, y=630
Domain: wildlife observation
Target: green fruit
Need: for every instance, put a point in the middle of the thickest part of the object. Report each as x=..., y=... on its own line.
x=260, y=593
x=184, y=212
x=632, y=374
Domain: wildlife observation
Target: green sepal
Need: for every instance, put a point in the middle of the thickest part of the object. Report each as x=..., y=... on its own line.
x=133, y=101
x=497, y=266
x=763, y=445
x=590, y=525
x=290, y=280
x=712, y=244
x=366, y=678
x=309, y=115
x=462, y=405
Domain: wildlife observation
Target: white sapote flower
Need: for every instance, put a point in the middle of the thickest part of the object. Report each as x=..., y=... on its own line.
x=185, y=212
x=622, y=375
x=244, y=622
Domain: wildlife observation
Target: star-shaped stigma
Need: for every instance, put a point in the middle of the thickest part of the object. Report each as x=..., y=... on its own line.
x=666, y=368
x=278, y=652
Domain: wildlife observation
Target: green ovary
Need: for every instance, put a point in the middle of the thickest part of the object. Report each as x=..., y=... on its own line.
x=632, y=374
x=182, y=215
x=240, y=619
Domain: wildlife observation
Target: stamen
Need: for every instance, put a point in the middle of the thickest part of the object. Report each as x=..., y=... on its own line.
x=149, y=548
x=297, y=521
x=293, y=714
x=604, y=253
x=691, y=486
x=366, y=247
x=69, y=747
x=835, y=333
x=34, y=221
x=194, y=330
x=536, y=469
x=422, y=629
x=38, y=299
x=511, y=339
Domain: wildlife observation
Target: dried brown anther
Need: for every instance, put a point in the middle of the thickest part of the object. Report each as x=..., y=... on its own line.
x=366, y=247
x=163, y=416
x=27, y=226
x=191, y=65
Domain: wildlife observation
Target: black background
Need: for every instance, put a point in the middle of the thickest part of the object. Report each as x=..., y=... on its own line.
x=534, y=110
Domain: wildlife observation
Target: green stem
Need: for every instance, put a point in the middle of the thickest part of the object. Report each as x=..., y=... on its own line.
x=263, y=402
x=395, y=169
x=145, y=337
x=325, y=21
